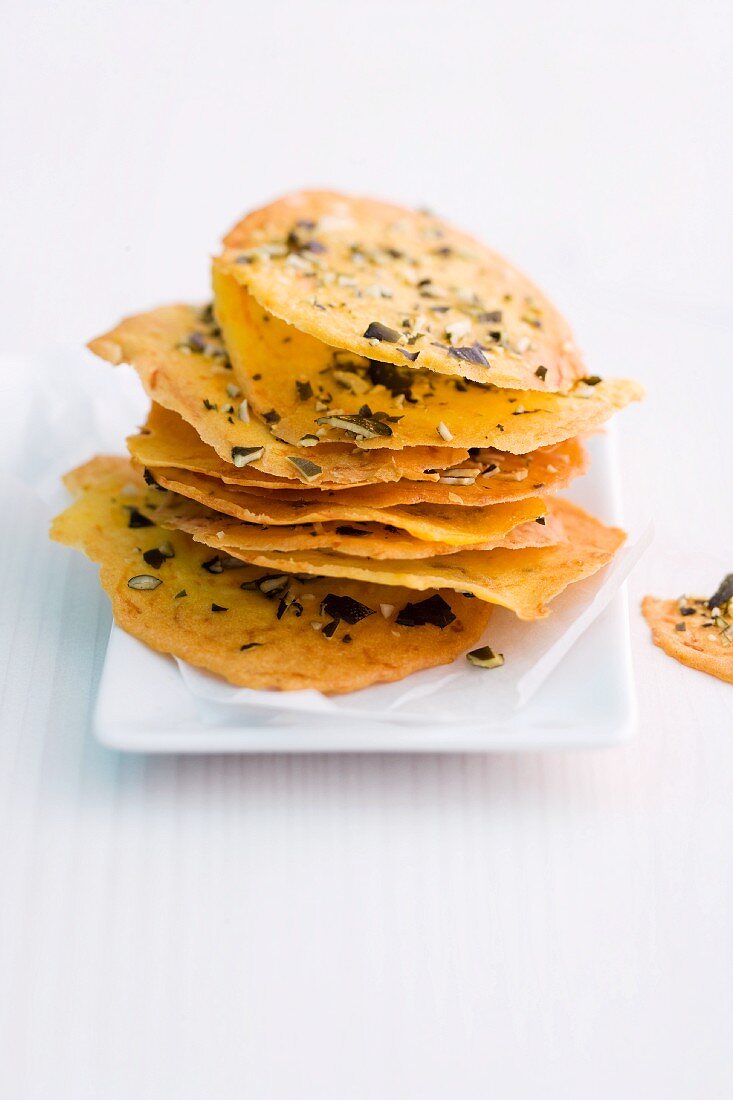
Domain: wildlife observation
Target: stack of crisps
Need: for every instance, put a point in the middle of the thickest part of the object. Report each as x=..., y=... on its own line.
x=352, y=454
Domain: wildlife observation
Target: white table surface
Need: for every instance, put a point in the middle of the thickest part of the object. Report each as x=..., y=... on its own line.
x=554, y=925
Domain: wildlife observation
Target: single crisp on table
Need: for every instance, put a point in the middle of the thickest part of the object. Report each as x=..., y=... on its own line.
x=351, y=454
x=695, y=631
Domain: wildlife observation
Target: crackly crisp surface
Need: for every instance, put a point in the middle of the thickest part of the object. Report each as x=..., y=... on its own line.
x=182, y=364
x=284, y=653
x=332, y=265
x=687, y=630
x=523, y=580
x=305, y=383
x=491, y=477
x=251, y=529
x=432, y=523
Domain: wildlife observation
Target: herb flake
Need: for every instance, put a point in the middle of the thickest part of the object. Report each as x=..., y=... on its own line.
x=435, y=611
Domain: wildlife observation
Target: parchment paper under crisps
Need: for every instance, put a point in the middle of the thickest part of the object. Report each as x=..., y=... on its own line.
x=460, y=694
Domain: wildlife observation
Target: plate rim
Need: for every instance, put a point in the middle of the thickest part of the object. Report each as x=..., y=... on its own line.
x=515, y=734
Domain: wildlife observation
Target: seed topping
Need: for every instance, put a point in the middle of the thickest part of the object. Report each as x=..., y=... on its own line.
x=435, y=611
x=242, y=456
x=484, y=657
x=143, y=582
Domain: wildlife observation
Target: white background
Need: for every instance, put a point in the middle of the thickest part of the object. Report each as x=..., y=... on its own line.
x=543, y=926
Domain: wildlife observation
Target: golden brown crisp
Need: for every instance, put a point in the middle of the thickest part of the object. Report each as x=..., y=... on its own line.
x=242, y=521
x=181, y=363
x=386, y=282
x=178, y=597
x=687, y=630
x=525, y=581
x=310, y=387
x=488, y=477
x=428, y=522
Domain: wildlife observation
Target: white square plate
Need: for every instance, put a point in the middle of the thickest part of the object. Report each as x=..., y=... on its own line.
x=588, y=701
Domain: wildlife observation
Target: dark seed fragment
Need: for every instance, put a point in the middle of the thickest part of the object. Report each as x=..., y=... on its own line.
x=680, y=626
x=180, y=594
x=724, y=592
x=592, y=380
x=395, y=379
x=305, y=390
x=377, y=331
x=218, y=607
x=248, y=645
x=354, y=531
x=540, y=519
x=541, y=373
x=271, y=417
x=154, y=558
x=241, y=456
x=137, y=519
x=197, y=342
x=330, y=628
x=484, y=657
x=344, y=608
x=150, y=480
x=272, y=584
x=472, y=354
x=307, y=469
x=368, y=427
x=213, y=565
x=434, y=611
